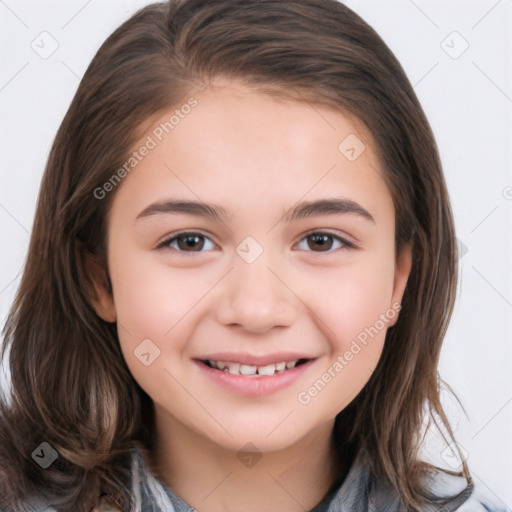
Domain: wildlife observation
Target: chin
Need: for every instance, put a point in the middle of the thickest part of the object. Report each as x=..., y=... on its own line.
x=254, y=442
x=261, y=437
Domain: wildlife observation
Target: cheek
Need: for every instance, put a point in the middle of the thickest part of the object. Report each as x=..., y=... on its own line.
x=355, y=315
x=359, y=309
x=152, y=298
x=354, y=299
x=154, y=306
x=158, y=303
x=354, y=311
x=138, y=299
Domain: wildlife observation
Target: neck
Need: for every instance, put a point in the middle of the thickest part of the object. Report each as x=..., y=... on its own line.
x=211, y=478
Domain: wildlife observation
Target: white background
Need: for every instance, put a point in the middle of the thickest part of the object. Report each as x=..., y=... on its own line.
x=468, y=101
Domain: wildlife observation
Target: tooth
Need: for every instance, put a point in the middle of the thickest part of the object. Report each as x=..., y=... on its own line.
x=222, y=365
x=291, y=364
x=280, y=366
x=246, y=369
x=234, y=368
x=212, y=363
x=266, y=370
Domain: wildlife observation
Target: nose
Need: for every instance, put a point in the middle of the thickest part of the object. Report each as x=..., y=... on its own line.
x=256, y=298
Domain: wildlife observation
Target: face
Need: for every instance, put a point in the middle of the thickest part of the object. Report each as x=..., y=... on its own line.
x=251, y=256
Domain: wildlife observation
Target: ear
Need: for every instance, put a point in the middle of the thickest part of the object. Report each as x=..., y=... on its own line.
x=403, y=266
x=101, y=294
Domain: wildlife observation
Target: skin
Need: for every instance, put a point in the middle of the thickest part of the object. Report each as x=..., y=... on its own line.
x=257, y=156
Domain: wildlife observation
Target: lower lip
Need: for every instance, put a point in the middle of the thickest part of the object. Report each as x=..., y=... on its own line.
x=254, y=386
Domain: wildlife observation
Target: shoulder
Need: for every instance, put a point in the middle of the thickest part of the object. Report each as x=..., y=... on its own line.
x=29, y=506
x=35, y=507
x=448, y=492
x=480, y=501
x=475, y=504
x=101, y=506
x=459, y=494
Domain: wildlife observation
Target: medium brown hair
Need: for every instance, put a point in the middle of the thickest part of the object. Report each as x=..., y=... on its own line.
x=70, y=385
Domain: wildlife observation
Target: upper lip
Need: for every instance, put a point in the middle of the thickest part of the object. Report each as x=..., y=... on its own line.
x=255, y=360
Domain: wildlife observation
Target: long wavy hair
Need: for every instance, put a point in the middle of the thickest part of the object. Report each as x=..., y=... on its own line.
x=70, y=386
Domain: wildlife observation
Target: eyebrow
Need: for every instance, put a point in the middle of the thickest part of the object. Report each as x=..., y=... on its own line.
x=301, y=210
x=327, y=207
x=196, y=208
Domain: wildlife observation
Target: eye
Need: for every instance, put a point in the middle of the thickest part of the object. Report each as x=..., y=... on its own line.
x=323, y=242
x=187, y=242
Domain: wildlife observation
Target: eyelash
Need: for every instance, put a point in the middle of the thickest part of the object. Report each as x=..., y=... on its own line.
x=345, y=244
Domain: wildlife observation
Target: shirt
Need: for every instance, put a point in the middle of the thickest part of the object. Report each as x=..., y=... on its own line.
x=360, y=491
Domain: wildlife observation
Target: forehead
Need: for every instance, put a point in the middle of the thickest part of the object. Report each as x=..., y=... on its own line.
x=237, y=143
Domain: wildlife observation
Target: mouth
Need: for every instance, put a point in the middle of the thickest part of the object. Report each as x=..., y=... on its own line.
x=254, y=375
x=251, y=370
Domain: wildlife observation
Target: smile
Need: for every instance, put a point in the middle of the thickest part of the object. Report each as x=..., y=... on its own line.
x=253, y=370
x=254, y=376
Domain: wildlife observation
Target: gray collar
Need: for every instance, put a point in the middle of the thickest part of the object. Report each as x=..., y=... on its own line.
x=359, y=492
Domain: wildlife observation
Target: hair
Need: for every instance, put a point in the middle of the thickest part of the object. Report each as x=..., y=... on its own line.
x=70, y=385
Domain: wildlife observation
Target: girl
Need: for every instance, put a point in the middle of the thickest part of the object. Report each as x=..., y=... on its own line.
x=241, y=271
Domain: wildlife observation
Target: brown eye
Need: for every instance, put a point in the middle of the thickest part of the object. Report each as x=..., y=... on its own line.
x=188, y=242
x=320, y=242
x=323, y=242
